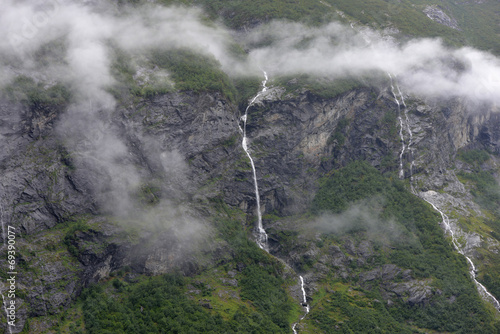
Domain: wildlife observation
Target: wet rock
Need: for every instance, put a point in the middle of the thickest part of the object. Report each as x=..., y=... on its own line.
x=337, y=256
x=414, y=292
x=437, y=14
x=229, y=282
x=190, y=143
x=365, y=249
x=370, y=275
x=349, y=247
x=389, y=271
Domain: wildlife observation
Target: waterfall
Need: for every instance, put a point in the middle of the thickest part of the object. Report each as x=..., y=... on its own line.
x=304, y=304
x=408, y=129
x=446, y=222
x=261, y=235
x=403, y=148
x=480, y=288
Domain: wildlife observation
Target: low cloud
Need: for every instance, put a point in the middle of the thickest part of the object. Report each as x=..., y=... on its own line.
x=84, y=37
x=424, y=67
x=362, y=216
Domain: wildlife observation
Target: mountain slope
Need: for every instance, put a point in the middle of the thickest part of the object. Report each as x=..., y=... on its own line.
x=134, y=205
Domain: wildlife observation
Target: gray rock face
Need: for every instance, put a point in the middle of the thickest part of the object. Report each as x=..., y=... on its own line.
x=437, y=14
x=186, y=148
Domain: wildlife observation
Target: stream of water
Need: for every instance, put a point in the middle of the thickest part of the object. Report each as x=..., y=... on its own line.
x=403, y=147
x=446, y=222
x=260, y=233
x=304, y=304
x=481, y=288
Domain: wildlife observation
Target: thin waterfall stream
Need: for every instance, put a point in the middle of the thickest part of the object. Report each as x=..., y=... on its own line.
x=481, y=288
x=403, y=147
x=446, y=222
x=261, y=235
x=304, y=304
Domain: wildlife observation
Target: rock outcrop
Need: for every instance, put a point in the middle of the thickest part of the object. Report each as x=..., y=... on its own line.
x=186, y=150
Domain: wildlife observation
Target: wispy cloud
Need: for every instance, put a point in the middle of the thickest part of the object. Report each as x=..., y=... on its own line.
x=87, y=34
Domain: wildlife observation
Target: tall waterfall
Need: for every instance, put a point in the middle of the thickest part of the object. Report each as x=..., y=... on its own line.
x=403, y=147
x=261, y=235
x=446, y=222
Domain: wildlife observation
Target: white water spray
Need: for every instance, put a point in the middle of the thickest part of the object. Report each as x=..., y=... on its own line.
x=304, y=297
x=403, y=147
x=304, y=304
x=480, y=288
x=446, y=222
x=408, y=129
x=261, y=237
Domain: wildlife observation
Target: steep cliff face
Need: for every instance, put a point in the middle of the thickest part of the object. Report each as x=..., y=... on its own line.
x=66, y=238
x=187, y=150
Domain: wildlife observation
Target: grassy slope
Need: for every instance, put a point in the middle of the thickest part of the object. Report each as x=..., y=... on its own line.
x=264, y=306
x=479, y=22
x=486, y=191
x=242, y=294
x=344, y=304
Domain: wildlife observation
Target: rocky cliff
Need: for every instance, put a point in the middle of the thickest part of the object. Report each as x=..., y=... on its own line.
x=186, y=149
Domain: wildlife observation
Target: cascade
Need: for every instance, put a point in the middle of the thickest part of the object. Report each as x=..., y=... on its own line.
x=261, y=235
x=408, y=129
x=403, y=148
x=304, y=297
x=480, y=288
x=304, y=304
x=446, y=222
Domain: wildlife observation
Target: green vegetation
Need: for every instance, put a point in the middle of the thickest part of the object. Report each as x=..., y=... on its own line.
x=246, y=88
x=419, y=246
x=239, y=13
x=128, y=82
x=479, y=22
x=485, y=189
x=195, y=72
x=188, y=70
x=53, y=52
x=36, y=95
x=371, y=317
x=73, y=226
x=473, y=157
x=149, y=194
x=322, y=87
x=156, y=305
x=160, y=305
x=164, y=304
